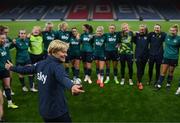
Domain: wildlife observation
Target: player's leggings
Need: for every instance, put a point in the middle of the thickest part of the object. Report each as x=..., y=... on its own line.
x=140, y=63
x=129, y=59
x=151, y=66
x=36, y=58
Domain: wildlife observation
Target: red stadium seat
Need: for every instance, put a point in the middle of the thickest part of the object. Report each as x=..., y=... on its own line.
x=103, y=10
x=79, y=10
x=3, y=7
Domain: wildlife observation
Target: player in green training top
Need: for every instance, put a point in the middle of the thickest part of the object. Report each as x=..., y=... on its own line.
x=48, y=36
x=126, y=52
x=99, y=55
x=36, y=45
x=87, y=51
x=170, y=57
x=5, y=74
x=63, y=34
x=111, y=52
x=75, y=53
x=23, y=59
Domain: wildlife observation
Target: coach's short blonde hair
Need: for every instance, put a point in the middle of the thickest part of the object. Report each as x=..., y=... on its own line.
x=56, y=46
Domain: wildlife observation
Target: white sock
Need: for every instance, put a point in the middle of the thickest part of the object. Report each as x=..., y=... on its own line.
x=74, y=77
x=115, y=77
x=99, y=77
x=102, y=79
x=159, y=86
x=9, y=101
x=107, y=77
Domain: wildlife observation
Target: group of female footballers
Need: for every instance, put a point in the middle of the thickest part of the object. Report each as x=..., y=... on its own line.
x=155, y=48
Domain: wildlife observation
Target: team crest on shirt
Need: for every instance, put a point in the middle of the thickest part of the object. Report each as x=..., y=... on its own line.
x=145, y=38
x=26, y=44
x=90, y=36
x=7, y=45
x=3, y=53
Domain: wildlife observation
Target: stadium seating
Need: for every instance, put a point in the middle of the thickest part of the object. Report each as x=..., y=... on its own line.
x=147, y=12
x=102, y=10
x=79, y=10
x=34, y=12
x=124, y=11
x=169, y=11
x=12, y=12
x=3, y=7
x=56, y=12
x=94, y=9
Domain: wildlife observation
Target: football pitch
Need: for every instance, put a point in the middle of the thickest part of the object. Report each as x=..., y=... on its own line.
x=113, y=103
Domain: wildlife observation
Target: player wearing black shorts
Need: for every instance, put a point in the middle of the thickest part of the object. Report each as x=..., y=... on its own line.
x=5, y=74
x=111, y=52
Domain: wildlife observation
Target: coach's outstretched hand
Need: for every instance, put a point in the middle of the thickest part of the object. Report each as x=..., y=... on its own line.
x=77, y=89
x=8, y=65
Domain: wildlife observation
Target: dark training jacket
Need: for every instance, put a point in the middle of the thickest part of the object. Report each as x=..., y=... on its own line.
x=52, y=80
x=156, y=43
x=141, y=50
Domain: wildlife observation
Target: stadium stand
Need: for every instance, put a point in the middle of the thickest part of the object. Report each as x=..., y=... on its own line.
x=34, y=12
x=102, y=10
x=3, y=7
x=79, y=10
x=125, y=11
x=147, y=12
x=56, y=12
x=12, y=12
x=94, y=9
x=169, y=11
x=178, y=7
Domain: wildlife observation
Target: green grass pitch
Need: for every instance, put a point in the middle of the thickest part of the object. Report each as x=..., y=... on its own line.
x=113, y=103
